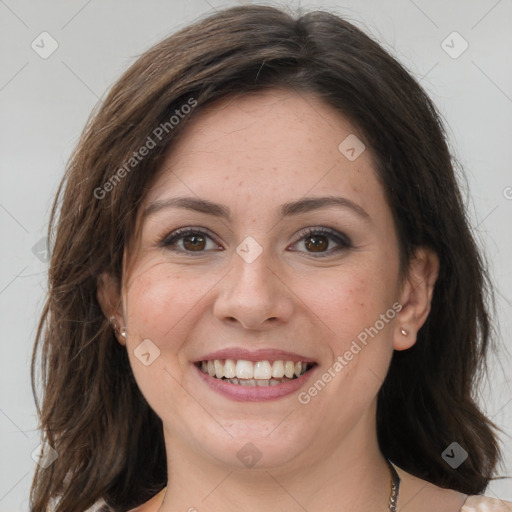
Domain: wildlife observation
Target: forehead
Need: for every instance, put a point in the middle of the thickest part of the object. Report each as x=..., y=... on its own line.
x=267, y=147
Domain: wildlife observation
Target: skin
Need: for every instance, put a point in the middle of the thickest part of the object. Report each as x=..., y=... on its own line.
x=253, y=154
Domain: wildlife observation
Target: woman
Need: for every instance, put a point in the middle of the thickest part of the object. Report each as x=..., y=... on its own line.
x=263, y=289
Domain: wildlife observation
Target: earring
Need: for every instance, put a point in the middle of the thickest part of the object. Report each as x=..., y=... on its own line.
x=121, y=332
x=403, y=331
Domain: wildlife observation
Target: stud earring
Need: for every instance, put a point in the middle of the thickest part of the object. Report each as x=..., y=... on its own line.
x=403, y=331
x=121, y=332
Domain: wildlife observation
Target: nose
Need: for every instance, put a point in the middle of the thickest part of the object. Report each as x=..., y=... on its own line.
x=254, y=295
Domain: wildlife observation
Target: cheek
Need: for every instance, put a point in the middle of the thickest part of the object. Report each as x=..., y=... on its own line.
x=349, y=304
x=347, y=299
x=160, y=302
x=160, y=307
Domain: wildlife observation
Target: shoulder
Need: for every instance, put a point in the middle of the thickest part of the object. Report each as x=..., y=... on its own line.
x=423, y=496
x=478, y=503
x=99, y=506
x=153, y=504
x=150, y=506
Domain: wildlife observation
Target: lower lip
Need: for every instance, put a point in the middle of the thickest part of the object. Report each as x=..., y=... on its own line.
x=242, y=393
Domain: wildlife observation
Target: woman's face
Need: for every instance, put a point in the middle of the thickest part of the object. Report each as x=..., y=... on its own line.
x=265, y=273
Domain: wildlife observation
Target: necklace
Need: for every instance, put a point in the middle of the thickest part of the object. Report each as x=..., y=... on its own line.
x=393, y=497
x=395, y=486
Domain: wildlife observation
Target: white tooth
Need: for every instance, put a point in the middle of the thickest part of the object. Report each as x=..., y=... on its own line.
x=204, y=367
x=298, y=368
x=233, y=381
x=273, y=382
x=219, y=368
x=244, y=369
x=247, y=382
x=229, y=368
x=262, y=383
x=289, y=369
x=278, y=369
x=262, y=370
x=211, y=369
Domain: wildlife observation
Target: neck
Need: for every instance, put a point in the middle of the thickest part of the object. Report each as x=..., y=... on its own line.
x=353, y=475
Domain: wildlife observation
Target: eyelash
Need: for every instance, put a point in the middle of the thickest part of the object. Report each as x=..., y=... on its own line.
x=342, y=240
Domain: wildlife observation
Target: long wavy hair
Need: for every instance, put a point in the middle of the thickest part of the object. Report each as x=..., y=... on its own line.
x=92, y=412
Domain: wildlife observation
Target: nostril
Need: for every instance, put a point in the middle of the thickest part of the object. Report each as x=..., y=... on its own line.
x=272, y=319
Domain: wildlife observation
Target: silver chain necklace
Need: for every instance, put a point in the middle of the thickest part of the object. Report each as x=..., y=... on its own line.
x=395, y=486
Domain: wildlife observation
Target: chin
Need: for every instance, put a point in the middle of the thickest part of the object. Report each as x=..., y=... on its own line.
x=262, y=444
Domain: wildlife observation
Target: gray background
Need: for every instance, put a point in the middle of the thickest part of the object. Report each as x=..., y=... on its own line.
x=45, y=102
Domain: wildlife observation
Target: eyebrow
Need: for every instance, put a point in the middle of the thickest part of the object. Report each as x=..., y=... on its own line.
x=287, y=209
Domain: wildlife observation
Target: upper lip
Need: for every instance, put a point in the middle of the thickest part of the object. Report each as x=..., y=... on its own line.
x=263, y=354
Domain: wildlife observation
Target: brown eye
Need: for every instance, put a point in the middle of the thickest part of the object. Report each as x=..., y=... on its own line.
x=317, y=243
x=318, y=240
x=188, y=241
x=194, y=242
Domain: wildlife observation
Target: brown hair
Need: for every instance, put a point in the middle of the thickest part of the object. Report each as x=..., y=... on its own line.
x=93, y=413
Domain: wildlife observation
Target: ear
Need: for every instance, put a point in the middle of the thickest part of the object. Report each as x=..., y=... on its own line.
x=416, y=297
x=109, y=299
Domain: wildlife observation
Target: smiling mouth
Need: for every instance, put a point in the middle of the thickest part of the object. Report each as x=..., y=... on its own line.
x=260, y=373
